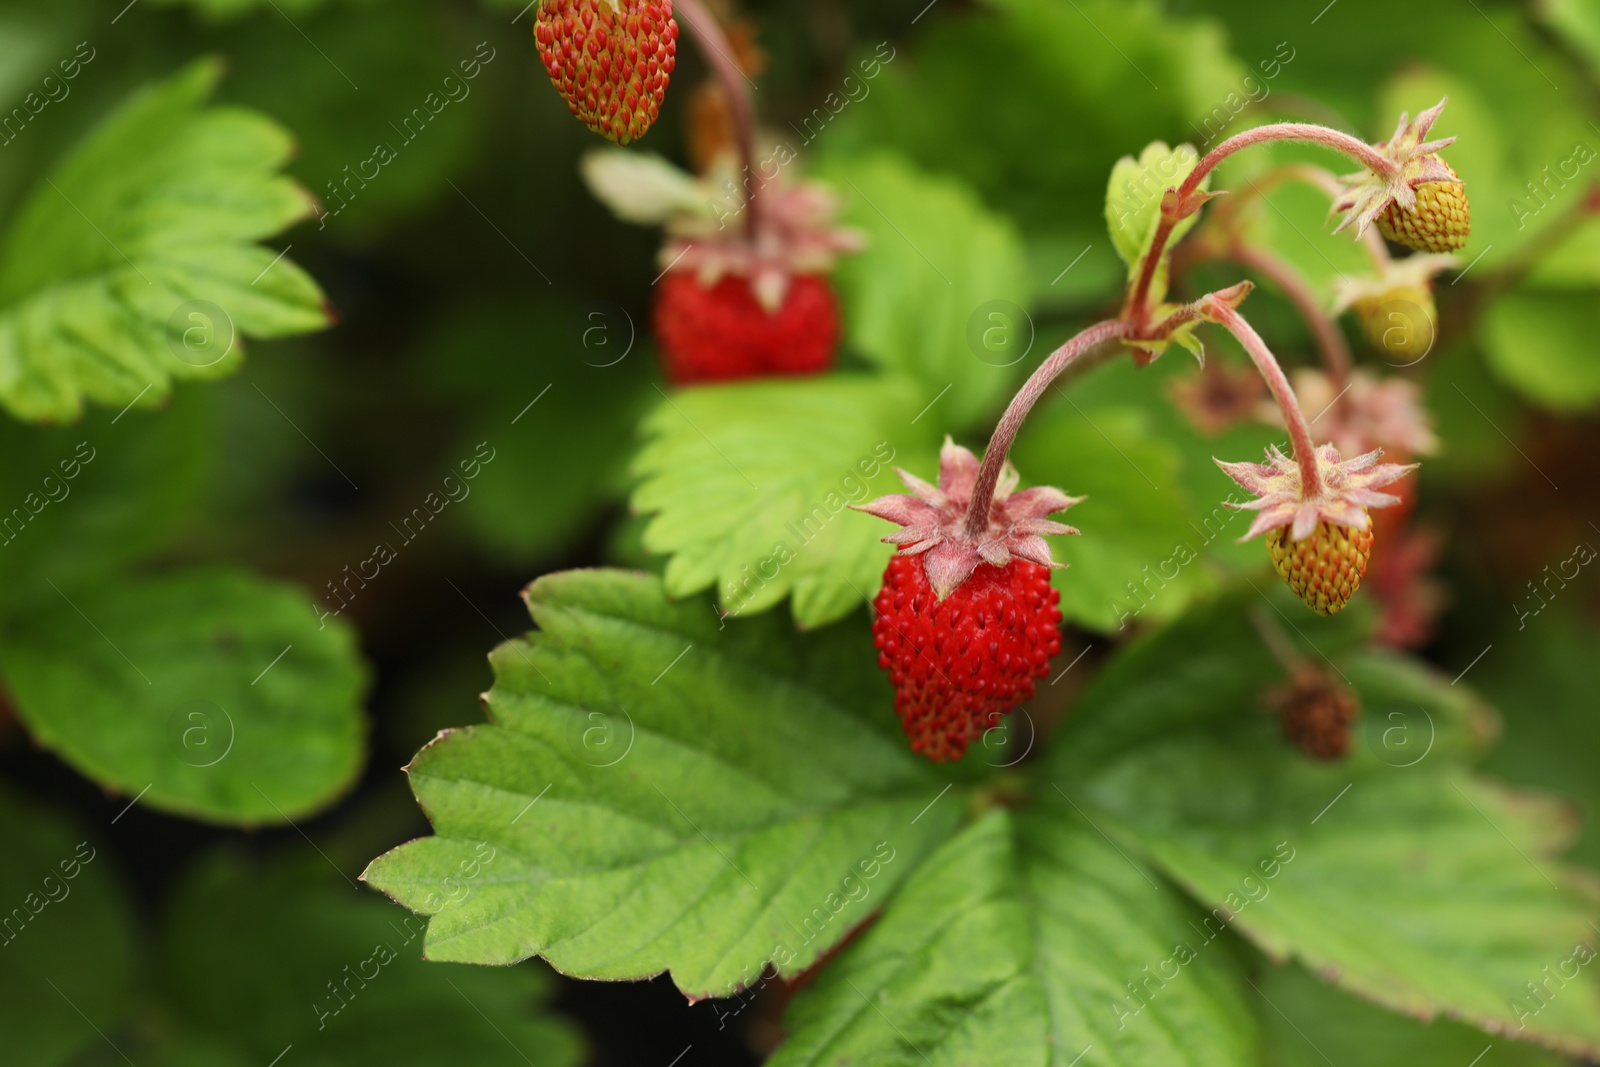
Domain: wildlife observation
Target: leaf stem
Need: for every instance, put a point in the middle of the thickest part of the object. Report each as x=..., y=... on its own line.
x=994, y=457
x=1299, y=430
x=718, y=50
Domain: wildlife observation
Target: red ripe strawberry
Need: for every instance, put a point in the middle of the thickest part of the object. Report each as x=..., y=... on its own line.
x=959, y=664
x=610, y=60
x=722, y=332
x=966, y=621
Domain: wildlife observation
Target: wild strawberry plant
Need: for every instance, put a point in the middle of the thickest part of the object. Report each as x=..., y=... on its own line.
x=872, y=751
x=700, y=788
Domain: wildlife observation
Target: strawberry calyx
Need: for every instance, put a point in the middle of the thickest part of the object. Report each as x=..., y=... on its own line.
x=1347, y=489
x=1414, y=162
x=935, y=526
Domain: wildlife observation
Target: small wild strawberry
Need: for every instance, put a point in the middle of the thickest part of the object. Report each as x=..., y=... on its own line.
x=1319, y=543
x=1441, y=220
x=1423, y=203
x=1325, y=569
x=610, y=60
x=966, y=624
x=744, y=290
x=1396, y=309
x=721, y=332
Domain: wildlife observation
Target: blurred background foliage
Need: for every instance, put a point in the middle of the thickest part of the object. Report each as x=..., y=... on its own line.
x=463, y=278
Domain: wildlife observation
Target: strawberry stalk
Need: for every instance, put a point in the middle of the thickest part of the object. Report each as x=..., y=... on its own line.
x=1299, y=430
x=718, y=50
x=1182, y=204
x=1335, y=350
x=994, y=457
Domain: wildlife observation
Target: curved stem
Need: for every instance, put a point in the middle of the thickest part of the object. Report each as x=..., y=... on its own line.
x=1136, y=309
x=1305, y=133
x=1299, y=431
x=994, y=457
x=718, y=50
x=1282, y=274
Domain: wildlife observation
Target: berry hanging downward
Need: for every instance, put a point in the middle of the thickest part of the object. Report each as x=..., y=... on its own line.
x=1319, y=544
x=744, y=289
x=722, y=332
x=965, y=625
x=1422, y=202
x=610, y=60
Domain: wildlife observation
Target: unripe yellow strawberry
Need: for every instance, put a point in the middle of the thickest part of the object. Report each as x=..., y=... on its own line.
x=1401, y=321
x=1441, y=220
x=1324, y=569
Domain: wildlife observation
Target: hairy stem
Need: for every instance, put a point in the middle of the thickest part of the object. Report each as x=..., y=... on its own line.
x=718, y=50
x=1305, y=133
x=994, y=457
x=1299, y=431
x=1282, y=274
x=1136, y=308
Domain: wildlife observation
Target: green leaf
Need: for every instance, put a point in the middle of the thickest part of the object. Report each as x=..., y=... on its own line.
x=750, y=487
x=1133, y=196
x=1206, y=667
x=208, y=693
x=1137, y=558
x=334, y=974
x=663, y=793
x=1306, y=1023
x=1019, y=943
x=1578, y=23
x=1574, y=263
x=940, y=293
x=1542, y=344
x=81, y=501
x=1417, y=887
x=134, y=264
x=1133, y=206
x=1027, y=101
x=64, y=927
x=1551, y=731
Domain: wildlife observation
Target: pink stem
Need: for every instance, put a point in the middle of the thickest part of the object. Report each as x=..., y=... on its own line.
x=1330, y=342
x=1304, y=132
x=994, y=457
x=718, y=50
x=1299, y=431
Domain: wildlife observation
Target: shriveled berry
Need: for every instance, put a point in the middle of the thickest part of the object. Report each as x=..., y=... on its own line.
x=1324, y=569
x=959, y=664
x=722, y=333
x=1317, y=713
x=610, y=60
